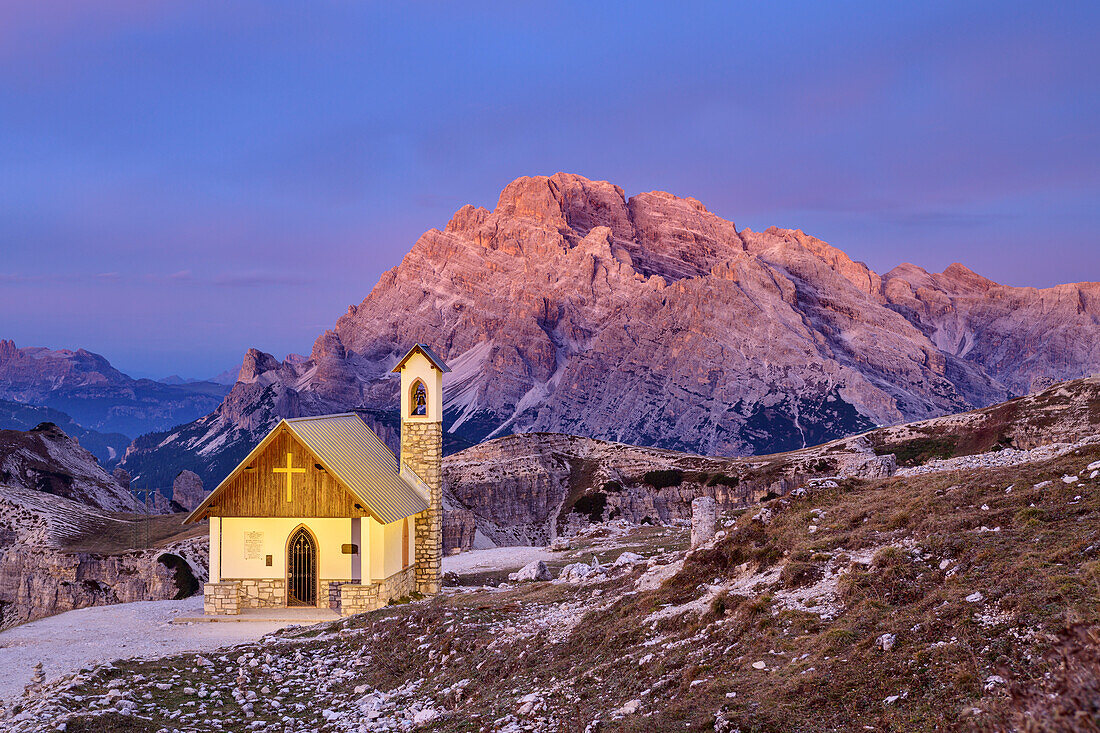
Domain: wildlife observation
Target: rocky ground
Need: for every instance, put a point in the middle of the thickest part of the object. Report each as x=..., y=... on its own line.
x=960, y=599
x=528, y=488
x=87, y=637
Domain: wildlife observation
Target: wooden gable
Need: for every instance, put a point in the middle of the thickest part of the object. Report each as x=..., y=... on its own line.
x=260, y=491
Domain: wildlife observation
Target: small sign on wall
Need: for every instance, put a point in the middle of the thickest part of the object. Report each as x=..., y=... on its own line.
x=253, y=545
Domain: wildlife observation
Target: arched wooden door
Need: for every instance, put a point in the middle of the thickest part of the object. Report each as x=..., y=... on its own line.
x=301, y=569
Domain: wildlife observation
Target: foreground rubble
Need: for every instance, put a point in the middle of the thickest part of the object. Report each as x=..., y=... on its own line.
x=952, y=600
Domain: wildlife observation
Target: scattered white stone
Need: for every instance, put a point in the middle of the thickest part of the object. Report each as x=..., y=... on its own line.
x=891, y=700
x=944, y=564
x=1067, y=479
x=426, y=716
x=975, y=597
x=534, y=570
x=760, y=665
x=1094, y=466
x=764, y=516
x=628, y=558
x=985, y=507
x=629, y=708
x=886, y=641
x=993, y=680
x=575, y=572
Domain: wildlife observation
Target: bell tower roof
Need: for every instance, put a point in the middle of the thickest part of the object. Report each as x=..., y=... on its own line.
x=428, y=354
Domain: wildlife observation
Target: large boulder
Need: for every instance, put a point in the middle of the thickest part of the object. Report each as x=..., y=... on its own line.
x=534, y=570
x=187, y=490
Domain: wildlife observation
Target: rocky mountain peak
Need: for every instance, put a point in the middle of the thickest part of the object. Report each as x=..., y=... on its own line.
x=571, y=308
x=95, y=394
x=255, y=363
x=8, y=349
x=45, y=459
x=328, y=346
x=567, y=202
x=966, y=279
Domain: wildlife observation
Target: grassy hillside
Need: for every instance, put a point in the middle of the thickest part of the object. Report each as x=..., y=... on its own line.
x=989, y=582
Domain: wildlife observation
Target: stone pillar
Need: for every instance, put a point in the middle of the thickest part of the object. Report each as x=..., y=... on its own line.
x=703, y=519
x=422, y=451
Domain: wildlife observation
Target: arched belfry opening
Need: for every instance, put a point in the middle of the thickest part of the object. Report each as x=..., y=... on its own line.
x=418, y=398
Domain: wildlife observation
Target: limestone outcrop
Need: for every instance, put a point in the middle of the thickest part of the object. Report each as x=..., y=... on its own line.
x=70, y=537
x=45, y=459
x=531, y=488
x=187, y=490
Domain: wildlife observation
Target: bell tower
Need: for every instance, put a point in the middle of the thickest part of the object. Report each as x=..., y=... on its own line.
x=421, y=373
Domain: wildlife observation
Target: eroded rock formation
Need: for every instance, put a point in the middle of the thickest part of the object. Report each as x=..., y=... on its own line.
x=187, y=490
x=65, y=541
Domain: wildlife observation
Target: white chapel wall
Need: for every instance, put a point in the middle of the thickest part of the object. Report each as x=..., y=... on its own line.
x=385, y=548
x=243, y=554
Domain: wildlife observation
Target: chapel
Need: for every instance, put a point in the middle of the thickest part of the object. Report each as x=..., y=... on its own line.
x=322, y=513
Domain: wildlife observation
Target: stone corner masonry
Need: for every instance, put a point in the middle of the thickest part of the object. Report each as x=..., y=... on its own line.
x=222, y=599
x=422, y=451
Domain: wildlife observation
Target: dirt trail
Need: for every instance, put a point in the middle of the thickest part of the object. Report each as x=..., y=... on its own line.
x=77, y=639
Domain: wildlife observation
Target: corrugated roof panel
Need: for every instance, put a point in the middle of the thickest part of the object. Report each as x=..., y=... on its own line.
x=358, y=459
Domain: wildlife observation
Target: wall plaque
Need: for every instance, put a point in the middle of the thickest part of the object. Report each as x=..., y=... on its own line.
x=253, y=545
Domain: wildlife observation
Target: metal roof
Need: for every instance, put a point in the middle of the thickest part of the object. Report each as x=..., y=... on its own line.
x=427, y=352
x=356, y=458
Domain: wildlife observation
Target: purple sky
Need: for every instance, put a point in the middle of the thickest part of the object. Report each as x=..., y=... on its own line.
x=180, y=181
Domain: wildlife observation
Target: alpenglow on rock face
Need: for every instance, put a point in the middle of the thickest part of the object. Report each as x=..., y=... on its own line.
x=571, y=308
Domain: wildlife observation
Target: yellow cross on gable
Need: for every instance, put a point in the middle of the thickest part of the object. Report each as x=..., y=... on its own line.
x=290, y=470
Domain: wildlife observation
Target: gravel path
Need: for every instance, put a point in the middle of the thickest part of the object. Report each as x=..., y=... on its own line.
x=999, y=459
x=496, y=558
x=76, y=639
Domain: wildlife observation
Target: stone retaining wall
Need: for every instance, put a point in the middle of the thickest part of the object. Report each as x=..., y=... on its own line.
x=359, y=598
x=261, y=592
x=222, y=599
x=333, y=586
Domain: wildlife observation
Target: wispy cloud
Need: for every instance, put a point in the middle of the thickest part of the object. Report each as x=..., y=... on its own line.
x=259, y=279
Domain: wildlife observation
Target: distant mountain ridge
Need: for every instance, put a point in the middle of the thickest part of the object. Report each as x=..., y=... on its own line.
x=97, y=396
x=107, y=448
x=570, y=308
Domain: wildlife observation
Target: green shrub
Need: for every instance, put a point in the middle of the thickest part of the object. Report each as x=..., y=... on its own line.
x=591, y=504
x=1030, y=516
x=796, y=574
x=663, y=479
